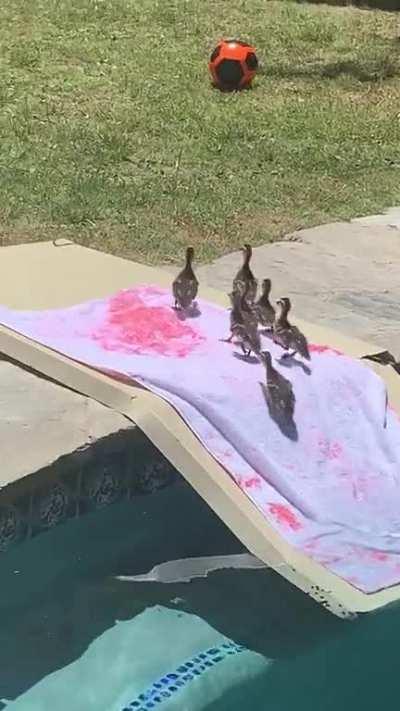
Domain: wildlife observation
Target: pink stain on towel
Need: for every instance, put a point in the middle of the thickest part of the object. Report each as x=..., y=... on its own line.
x=253, y=482
x=371, y=554
x=379, y=555
x=329, y=449
x=131, y=326
x=316, y=348
x=284, y=516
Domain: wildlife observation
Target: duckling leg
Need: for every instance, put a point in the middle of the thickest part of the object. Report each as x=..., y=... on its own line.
x=288, y=354
x=227, y=340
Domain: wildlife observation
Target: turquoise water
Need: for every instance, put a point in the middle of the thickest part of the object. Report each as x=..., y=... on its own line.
x=60, y=599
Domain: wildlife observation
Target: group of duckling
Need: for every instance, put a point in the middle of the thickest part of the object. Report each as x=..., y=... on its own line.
x=247, y=315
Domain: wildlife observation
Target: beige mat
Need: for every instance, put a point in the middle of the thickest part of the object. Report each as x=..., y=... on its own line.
x=47, y=275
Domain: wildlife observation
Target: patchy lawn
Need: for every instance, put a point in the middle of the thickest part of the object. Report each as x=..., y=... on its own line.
x=112, y=135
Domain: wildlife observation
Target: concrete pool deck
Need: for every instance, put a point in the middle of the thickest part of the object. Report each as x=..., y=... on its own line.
x=42, y=421
x=341, y=275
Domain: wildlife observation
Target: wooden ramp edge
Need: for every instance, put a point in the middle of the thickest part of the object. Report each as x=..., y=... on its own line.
x=45, y=276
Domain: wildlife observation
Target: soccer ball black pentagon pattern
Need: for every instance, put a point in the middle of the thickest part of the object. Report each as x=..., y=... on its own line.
x=233, y=65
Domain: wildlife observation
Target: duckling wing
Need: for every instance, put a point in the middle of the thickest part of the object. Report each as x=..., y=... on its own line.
x=236, y=320
x=178, y=289
x=282, y=337
x=252, y=289
x=252, y=337
x=243, y=280
x=192, y=288
x=299, y=342
x=239, y=282
x=250, y=319
x=265, y=314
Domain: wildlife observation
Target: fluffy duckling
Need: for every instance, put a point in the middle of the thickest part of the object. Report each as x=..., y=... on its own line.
x=286, y=335
x=185, y=286
x=245, y=277
x=248, y=330
x=236, y=317
x=278, y=391
x=243, y=322
x=264, y=309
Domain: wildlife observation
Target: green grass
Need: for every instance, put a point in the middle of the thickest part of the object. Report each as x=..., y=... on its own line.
x=112, y=135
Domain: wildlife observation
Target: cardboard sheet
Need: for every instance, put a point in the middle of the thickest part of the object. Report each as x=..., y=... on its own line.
x=46, y=276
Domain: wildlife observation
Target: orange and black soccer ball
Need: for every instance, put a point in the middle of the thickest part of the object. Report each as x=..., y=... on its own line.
x=233, y=65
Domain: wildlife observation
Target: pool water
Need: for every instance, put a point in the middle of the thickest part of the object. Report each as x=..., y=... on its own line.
x=71, y=631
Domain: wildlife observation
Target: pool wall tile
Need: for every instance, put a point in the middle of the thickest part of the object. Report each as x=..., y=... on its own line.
x=117, y=468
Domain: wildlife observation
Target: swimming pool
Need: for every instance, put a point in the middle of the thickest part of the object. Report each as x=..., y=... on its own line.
x=74, y=636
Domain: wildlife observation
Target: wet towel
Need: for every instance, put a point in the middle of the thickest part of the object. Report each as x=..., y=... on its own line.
x=331, y=487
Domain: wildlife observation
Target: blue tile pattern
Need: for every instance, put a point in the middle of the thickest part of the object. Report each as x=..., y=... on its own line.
x=171, y=683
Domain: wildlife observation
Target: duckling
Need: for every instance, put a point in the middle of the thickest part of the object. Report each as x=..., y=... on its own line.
x=185, y=286
x=286, y=335
x=245, y=276
x=264, y=309
x=236, y=318
x=248, y=330
x=243, y=322
x=278, y=392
